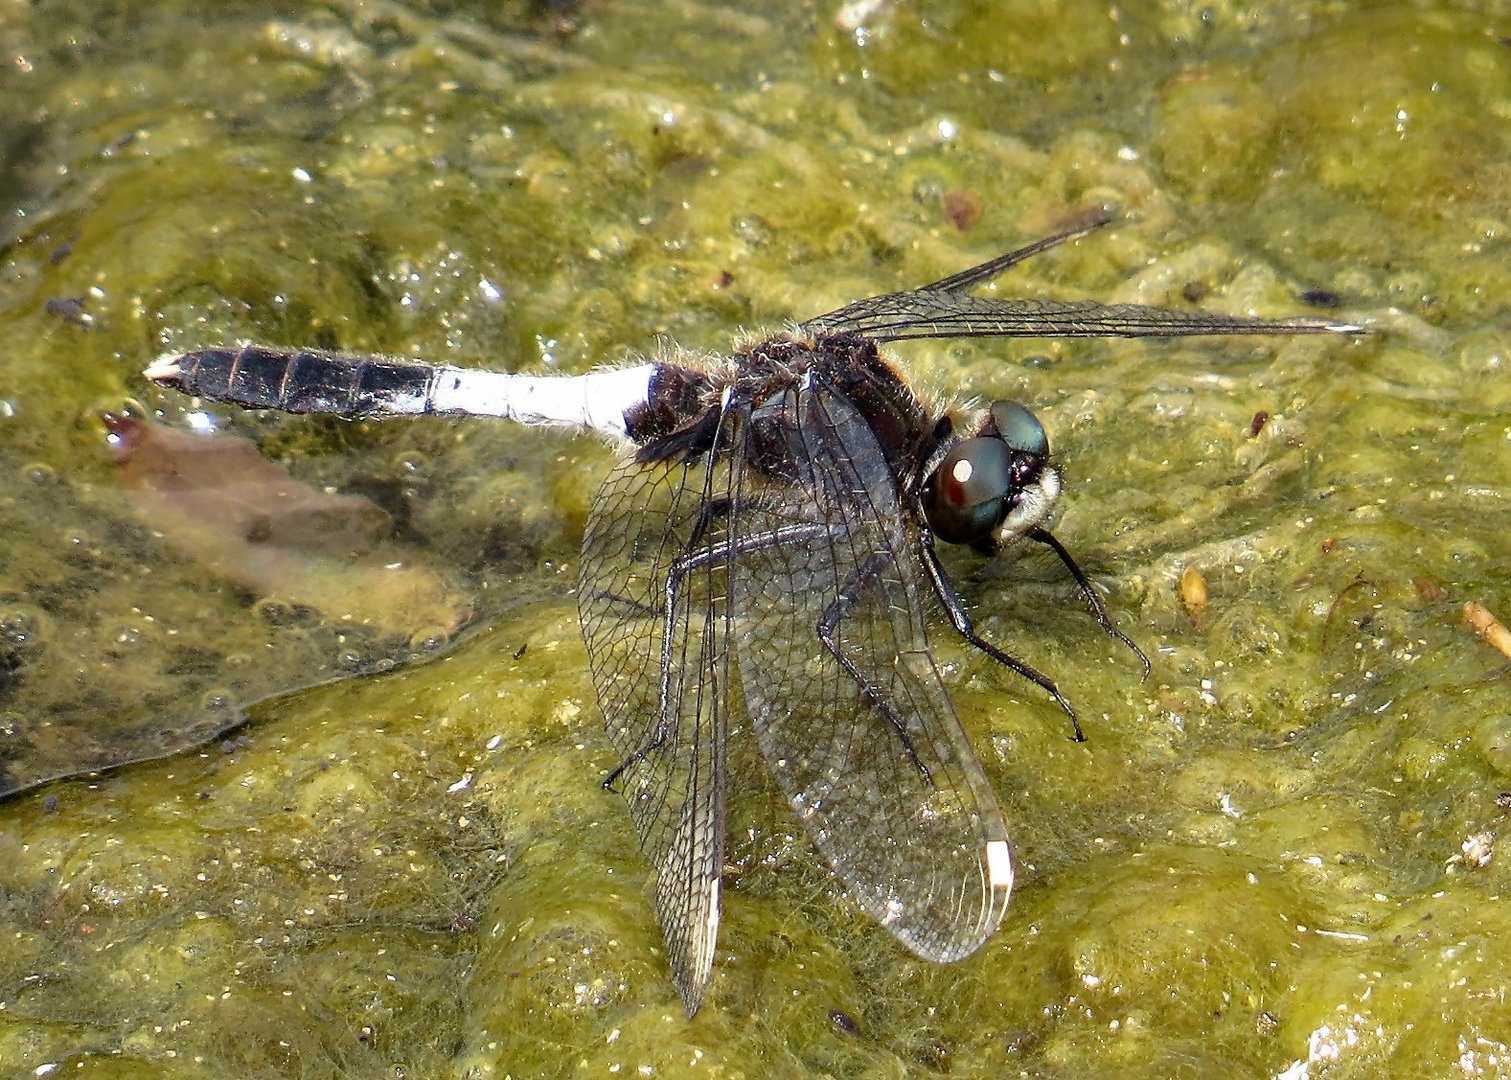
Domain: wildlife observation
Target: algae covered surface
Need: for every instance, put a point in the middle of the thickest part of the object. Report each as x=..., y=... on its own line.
x=1276, y=856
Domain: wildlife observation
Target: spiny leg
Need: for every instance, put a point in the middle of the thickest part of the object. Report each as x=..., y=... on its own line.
x=679, y=569
x=1045, y=537
x=954, y=604
x=828, y=626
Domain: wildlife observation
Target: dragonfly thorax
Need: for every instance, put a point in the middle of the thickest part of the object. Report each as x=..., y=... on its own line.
x=995, y=486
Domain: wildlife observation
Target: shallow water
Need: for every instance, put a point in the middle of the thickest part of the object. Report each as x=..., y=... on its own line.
x=1267, y=859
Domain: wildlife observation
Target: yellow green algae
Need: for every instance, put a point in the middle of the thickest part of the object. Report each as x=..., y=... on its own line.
x=1268, y=859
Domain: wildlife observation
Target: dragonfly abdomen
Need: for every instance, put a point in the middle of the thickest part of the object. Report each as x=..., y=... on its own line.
x=299, y=380
x=307, y=381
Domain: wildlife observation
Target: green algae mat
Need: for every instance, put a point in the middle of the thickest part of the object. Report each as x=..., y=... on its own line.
x=336, y=811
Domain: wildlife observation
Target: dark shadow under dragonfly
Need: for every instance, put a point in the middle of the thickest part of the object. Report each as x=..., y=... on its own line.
x=769, y=538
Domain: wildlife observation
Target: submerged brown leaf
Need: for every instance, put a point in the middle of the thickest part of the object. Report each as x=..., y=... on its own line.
x=122, y=643
x=216, y=499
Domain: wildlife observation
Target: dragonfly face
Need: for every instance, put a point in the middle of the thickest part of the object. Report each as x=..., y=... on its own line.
x=993, y=487
x=773, y=527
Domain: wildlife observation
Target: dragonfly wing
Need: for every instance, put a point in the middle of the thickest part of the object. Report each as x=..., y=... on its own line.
x=661, y=665
x=859, y=731
x=933, y=312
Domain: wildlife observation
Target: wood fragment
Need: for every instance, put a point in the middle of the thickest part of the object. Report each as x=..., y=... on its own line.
x=1488, y=627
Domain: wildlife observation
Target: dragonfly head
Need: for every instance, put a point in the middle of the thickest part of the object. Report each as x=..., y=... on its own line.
x=995, y=486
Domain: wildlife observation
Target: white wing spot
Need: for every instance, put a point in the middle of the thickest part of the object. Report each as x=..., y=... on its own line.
x=711, y=926
x=999, y=864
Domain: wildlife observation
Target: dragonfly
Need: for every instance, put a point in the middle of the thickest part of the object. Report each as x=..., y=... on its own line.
x=765, y=555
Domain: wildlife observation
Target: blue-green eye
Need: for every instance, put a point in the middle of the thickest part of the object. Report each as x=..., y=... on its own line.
x=967, y=496
x=982, y=480
x=1020, y=428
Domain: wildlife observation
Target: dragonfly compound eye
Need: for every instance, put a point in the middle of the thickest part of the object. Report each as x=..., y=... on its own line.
x=1020, y=428
x=969, y=493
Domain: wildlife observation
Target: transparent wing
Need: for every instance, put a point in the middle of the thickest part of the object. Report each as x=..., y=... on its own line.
x=944, y=309
x=661, y=665
x=925, y=313
x=849, y=710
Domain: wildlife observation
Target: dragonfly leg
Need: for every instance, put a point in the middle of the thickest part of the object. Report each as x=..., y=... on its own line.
x=627, y=601
x=708, y=512
x=720, y=553
x=954, y=604
x=634, y=759
x=828, y=632
x=1044, y=536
